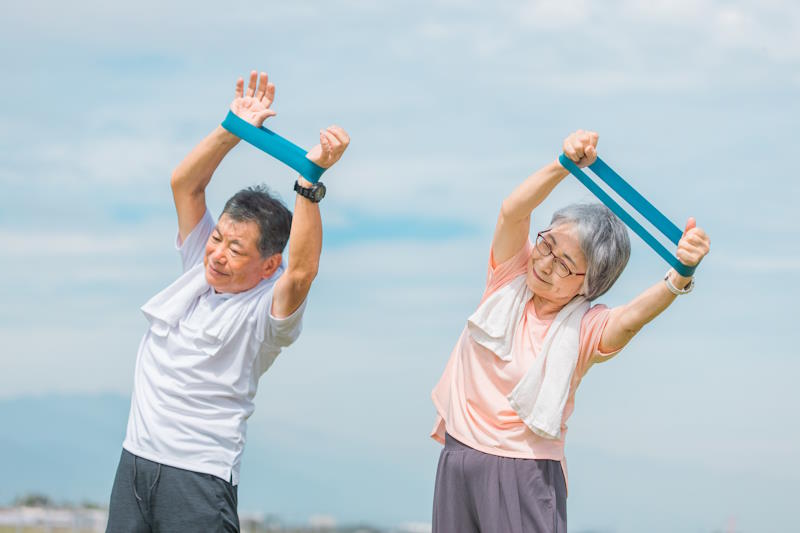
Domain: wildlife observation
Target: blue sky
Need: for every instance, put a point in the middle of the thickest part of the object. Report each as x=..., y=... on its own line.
x=449, y=105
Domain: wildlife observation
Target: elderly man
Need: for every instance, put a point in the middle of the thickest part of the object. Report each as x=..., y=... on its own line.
x=213, y=333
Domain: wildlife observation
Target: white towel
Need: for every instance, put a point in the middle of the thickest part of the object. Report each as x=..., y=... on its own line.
x=166, y=309
x=540, y=396
x=495, y=321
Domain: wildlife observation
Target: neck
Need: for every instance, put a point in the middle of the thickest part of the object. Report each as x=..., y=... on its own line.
x=547, y=308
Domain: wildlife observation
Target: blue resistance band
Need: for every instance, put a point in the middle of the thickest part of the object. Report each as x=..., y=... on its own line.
x=638, y=202
x=278, y=147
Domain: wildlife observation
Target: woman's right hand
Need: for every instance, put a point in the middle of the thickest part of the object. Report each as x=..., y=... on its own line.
x=581, y=147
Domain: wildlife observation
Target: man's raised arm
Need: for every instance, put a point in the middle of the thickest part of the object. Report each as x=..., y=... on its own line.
x=191, y=177
x=305, y=238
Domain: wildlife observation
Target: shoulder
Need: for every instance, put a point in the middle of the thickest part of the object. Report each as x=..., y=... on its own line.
x=502, y=274
x=593, y=314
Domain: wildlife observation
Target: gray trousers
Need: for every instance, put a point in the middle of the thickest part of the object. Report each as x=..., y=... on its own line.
x=149, y=497
x=477, y=492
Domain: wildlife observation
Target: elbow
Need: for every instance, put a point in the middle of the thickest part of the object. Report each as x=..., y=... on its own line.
x=505, y=209
x=509, y=213
x=176, y=180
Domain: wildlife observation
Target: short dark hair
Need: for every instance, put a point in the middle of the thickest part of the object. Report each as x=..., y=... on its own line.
x=274, y=220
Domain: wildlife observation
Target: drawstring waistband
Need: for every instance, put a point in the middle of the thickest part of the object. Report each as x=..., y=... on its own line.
x=139, y=500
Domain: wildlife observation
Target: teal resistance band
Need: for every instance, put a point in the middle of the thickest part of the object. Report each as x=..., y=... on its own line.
x=638, y=202
x=278, y=147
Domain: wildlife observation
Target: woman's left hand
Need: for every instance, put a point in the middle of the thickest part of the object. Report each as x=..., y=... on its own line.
x=694, y=244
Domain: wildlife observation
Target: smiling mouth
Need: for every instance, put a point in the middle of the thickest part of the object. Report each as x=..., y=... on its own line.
x=215, y=271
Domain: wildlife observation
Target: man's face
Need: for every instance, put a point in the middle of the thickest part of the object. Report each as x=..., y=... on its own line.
x=232, y=260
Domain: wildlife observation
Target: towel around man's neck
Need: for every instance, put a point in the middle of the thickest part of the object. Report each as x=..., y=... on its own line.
x=166, y=309
x=540, y=396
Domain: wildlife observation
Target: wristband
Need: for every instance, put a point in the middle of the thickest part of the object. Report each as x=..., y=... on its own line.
x=278, y=147
x=638, y=202
x=675, y=290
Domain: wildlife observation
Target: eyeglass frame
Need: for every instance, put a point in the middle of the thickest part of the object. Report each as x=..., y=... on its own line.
x=556, y=259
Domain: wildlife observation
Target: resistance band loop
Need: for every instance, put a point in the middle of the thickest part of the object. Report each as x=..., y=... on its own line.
x=638, y=202
x=278, y=147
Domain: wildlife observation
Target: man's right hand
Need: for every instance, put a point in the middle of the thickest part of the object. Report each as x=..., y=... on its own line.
x=254, y=106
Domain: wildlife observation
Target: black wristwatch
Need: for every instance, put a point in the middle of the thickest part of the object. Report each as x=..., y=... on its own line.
x=315, y=193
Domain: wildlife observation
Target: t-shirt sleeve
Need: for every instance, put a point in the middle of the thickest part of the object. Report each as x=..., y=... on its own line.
x=592, y=326
x=281, y=332
x=192, y=248
x=500, y=275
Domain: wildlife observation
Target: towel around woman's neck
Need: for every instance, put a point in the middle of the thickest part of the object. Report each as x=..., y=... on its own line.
x=540, y=396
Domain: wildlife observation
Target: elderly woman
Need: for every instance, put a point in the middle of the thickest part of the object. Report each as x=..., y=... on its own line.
x=509, y=386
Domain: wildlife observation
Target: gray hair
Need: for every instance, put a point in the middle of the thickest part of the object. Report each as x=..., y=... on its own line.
x=256, y=204
x=604, y=241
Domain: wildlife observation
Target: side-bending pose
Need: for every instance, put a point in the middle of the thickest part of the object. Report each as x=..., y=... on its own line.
x=509, y=386
x=213, y=333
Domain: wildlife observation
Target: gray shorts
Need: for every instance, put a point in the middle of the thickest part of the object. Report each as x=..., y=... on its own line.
x=151, y=497
x=477, y=492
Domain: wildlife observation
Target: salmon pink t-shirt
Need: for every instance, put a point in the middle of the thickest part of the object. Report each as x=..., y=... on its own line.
x=471, y=397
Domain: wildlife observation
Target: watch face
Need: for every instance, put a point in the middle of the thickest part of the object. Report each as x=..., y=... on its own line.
x=318, y=191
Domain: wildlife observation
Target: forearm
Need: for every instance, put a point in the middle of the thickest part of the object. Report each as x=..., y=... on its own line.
x=627, y=320
x=193, y=174
x=513, y=224
x=305, y=247
x=532, y=192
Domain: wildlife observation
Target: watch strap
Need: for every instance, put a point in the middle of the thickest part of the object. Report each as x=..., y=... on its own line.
x=309, y=192
x=675, y=290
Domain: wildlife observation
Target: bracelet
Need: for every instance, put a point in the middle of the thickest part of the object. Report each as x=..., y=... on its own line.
x=675, y=290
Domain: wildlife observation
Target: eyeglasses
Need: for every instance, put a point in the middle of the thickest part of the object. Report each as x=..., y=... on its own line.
x=559, y=266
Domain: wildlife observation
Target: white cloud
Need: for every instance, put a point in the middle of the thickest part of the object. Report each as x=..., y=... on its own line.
x=42, y=244
x=762, y=264
x=555, y=14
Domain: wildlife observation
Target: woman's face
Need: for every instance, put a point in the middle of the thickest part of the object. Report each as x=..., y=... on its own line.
x=543, y=271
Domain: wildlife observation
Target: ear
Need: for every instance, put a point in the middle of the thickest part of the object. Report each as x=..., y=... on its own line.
x=270, y=265
x=584, y=287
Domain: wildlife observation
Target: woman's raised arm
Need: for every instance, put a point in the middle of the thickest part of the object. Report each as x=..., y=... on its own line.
x=513, y=223
x=626, y=320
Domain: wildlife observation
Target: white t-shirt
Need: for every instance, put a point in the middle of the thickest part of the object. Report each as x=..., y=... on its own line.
x=193, y=392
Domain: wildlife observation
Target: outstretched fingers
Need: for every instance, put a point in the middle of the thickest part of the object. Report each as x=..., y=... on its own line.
x=240, y=87
x=251, y=86
x=262, y=86
x=269, y=95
